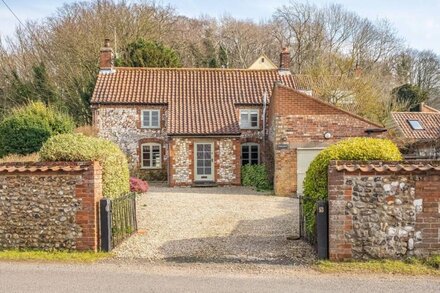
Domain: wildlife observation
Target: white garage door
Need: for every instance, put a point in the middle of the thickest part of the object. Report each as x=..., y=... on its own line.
x=304, y=157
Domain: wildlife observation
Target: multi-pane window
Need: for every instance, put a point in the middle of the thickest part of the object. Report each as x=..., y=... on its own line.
x=250, y=154
x=249, y=119
x=151, y=155
x=150, y=118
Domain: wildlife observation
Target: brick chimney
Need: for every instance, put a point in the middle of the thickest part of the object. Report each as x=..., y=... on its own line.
x=285, y=59
x=106, y=57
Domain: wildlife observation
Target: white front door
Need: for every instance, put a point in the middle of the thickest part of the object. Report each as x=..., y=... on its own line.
x=204, y=161
x=304, y=157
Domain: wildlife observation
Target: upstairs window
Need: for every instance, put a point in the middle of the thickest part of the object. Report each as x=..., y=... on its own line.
x=415, y=124
x=150, y=118
x=151, y=156
x=249, y=119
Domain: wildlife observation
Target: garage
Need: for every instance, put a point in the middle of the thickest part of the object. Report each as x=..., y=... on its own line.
x=304, y=157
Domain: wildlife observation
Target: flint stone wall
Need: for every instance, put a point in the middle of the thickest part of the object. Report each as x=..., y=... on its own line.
x=226, y=161
x=387, y=214
x=49, y=205
x=122, y=125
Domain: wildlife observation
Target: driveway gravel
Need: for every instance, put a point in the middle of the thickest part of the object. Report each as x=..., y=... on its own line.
x=224, y=224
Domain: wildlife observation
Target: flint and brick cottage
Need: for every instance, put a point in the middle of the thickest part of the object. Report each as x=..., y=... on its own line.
x=193, y=126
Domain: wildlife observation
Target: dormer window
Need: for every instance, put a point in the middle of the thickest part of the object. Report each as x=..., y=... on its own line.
x=415, y=124
x=249, y=119
x=150, y=118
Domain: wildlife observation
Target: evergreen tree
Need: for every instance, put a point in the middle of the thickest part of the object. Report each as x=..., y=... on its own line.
x=410, y=95
x=142, y=53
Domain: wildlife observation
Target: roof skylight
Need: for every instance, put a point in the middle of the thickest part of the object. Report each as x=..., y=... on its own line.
x=415, y=124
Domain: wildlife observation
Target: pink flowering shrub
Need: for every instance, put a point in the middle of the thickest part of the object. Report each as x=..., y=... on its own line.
x=138, y=185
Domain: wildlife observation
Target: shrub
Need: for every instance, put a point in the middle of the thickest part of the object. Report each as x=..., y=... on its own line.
x=361, y=149
x=26, y=129
x=255, y=176
x=138, y=185
x=78, y=147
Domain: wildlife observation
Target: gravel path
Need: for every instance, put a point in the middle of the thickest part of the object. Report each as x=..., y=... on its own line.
x=227, y=224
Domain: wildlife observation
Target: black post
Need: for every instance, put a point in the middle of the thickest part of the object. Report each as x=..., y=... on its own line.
x=106, y=224
x=322, y=228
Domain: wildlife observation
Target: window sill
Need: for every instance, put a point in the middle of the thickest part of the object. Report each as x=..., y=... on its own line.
x=151, y=168
x=144, y=127
x=255, y=128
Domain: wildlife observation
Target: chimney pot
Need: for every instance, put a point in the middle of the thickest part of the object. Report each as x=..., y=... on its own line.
x=284, y=59
x=107, y=43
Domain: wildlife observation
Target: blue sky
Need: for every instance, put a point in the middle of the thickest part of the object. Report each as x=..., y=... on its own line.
x=417, y=21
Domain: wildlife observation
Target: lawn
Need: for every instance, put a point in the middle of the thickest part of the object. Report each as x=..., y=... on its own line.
x=57, y=256
x=411, y=266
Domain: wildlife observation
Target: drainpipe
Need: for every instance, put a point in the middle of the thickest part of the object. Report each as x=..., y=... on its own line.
x=264, y=120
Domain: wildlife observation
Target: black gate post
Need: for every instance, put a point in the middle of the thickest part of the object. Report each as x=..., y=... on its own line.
x=106, y=224
x=322, y=228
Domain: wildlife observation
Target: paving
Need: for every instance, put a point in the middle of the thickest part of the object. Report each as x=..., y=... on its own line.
x=151, y=277
x=221, y=224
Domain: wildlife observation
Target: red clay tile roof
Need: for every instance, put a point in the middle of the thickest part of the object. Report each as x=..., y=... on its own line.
x=429, y=121
x=200, y=101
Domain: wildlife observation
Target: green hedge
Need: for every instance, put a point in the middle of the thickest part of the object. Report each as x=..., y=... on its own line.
x=255, y=176
x=361, y=149
x=78, y=147
x=26, y=129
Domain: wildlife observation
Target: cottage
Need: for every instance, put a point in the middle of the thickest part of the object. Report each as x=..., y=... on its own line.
x=417, y=133
x=193, y=126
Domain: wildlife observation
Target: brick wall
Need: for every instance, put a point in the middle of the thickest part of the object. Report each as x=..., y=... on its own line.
x=383, y=212
x=300, y=121
x=50, y=205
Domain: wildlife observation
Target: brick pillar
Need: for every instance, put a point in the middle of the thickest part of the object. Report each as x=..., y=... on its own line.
x=89, y=192
x=428, y=219
x=339, y=222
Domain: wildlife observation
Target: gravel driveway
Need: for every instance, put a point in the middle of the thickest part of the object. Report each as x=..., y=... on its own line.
x=227, y=224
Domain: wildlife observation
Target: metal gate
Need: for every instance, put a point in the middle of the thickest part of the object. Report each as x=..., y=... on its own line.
x=118, y=220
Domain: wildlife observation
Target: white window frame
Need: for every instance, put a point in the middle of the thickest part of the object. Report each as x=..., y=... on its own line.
x=249, y=144
x=249, y=113
x=151, y=145
x=149, y=126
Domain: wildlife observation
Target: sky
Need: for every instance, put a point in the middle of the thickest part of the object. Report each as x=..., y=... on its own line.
x=417, y=21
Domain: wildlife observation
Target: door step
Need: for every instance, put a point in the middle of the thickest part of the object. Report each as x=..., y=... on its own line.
x=204, y=184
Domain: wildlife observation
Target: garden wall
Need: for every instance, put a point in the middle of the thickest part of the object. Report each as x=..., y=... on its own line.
x=50, y=205
x=383, y=209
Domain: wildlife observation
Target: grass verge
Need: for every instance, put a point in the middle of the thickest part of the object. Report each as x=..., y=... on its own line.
x=410, y=266
x=55, y=256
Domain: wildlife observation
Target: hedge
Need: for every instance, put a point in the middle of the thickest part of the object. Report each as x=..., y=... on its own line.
x=78, y=147
x=360, y=149
x=255, y=176
x=26, y=129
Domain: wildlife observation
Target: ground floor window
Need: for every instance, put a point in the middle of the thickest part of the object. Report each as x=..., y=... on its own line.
x=151, y=155
x=250, y=154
